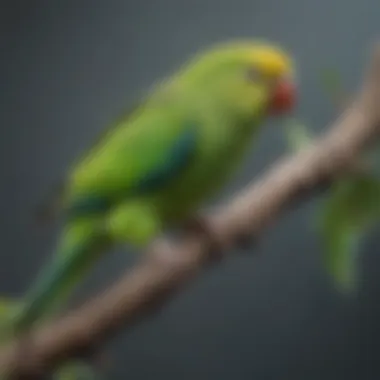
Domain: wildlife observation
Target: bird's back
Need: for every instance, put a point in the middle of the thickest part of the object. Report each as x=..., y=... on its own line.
x=112, y=169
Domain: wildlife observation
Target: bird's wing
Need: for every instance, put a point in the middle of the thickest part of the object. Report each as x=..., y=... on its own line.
x=141, y=158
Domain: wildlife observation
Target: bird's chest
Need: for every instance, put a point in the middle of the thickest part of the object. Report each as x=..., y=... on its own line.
x=220, y=153
x=220, y=150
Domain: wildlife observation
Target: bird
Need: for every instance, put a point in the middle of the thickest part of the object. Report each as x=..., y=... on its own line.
x=156, y=165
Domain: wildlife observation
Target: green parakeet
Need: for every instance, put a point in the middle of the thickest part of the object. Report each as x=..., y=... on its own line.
x=156, y=166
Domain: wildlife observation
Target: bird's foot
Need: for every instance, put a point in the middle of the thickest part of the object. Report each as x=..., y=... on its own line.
x=201, y=225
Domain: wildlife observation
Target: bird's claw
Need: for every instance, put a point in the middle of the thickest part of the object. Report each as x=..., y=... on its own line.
x=201, y=225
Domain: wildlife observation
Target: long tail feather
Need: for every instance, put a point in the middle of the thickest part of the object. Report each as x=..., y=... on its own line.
x=80, y=246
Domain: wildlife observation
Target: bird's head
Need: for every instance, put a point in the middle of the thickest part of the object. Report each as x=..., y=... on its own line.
x=247, y=77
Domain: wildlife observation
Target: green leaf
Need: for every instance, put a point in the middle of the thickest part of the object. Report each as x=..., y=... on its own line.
x=340, y=258
x=297, y=135
x=76, y=370
x=347, y=214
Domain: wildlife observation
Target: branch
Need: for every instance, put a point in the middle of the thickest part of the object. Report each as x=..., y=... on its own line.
x=169, y=266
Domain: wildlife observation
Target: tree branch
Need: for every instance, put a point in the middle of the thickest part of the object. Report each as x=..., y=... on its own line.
x=169, y=266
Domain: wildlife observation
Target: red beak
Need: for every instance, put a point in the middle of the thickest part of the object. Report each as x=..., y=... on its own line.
x=283, y=98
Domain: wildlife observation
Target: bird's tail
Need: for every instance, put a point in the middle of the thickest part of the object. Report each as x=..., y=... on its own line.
x=79, y=247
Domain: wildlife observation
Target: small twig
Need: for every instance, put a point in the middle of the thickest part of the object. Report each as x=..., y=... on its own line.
x=168, y=267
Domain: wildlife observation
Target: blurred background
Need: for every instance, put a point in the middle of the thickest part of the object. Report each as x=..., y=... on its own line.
x=68, y=68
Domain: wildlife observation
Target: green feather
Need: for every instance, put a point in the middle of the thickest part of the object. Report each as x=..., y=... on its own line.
x=166, y=163
x=76, y=252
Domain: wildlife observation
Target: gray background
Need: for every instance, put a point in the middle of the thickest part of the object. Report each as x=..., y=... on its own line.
x=69, y=67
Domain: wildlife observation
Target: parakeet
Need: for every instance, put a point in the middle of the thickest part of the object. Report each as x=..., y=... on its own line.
x=154, y=167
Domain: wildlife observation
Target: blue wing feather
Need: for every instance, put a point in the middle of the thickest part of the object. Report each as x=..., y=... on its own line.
x=178, y=157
